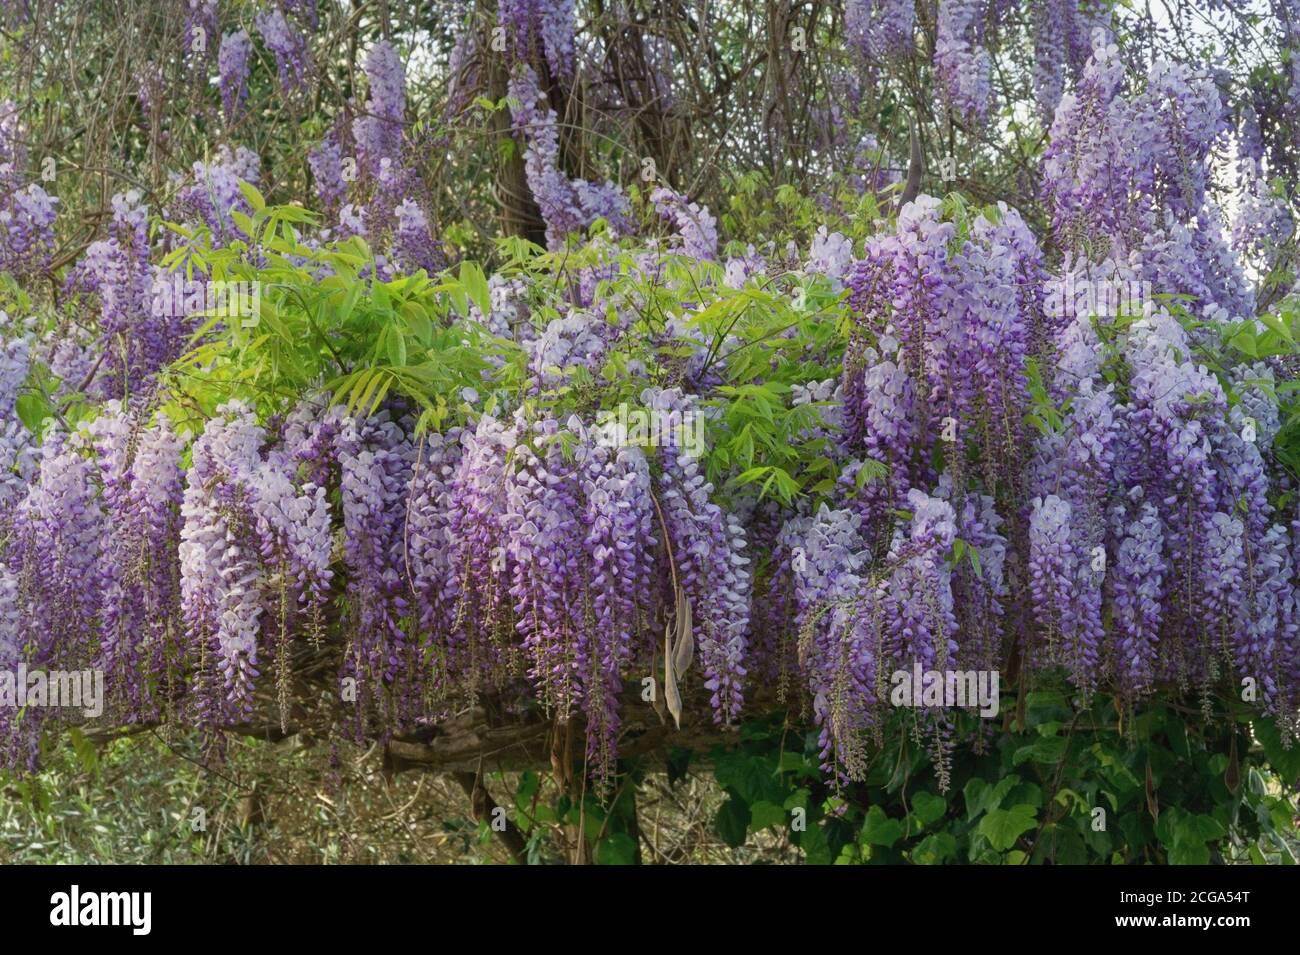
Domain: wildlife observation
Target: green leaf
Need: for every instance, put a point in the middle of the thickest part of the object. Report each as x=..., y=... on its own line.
x=396, y=348
x=1199, y=828
x=1002, y=827
x=816, y=848
x=1047, y=750
x=254, y=197
x=732, y=822
x=420, y=323
x=32, y=410
x=763, y=815
x=244, y=222
x=378, y=398
x=1244, y=341
x=1276, y=324
x=618, y=848
x=879, y=829
x=476, y=286
x=1189, y=854
x=752, y=475
x=84, y=749
x=928, y=808
x=372, y=379
x=1285, y=761
x=981, y=797
x=935, y=849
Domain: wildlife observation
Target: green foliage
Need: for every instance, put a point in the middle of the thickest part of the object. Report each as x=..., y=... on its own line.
x=758, y=208
x=1071, y=786
x=326, y=321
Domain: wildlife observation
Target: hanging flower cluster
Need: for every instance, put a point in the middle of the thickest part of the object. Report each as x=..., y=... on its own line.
x=696, y=227
x=286, y=44
x=880, y=29
x=962, y=65
x=545, y=26
x=1014, y=482
x=143, y=322
x=26, y=210
x=567, y=205
x=255, y=553
x=1127, y=171
x=365, y=181
x=232, y=65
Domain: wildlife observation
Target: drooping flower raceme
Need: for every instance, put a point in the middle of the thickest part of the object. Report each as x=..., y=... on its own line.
x=545, y=23
x=567, y=205
x=708, y=549
x=139, y=574
x=326, y=162
x=220, y=557
x=962, y=65
x=880, y=29
x=286, y=44
x=17, y=449
x=232, y=65
x=378, y=133
x=697, y=229
x=376, y=459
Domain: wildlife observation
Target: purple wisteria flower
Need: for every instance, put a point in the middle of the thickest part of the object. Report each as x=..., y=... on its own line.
x=326, y=162
x=26, y=230
x=213, y=190
x=880, y=29
x=962, y=65
x=543, y=25
x=232, y=65
x=378, y=133
x=286, y=45
x=697, y=229
x=708, y=546
x=567, y=205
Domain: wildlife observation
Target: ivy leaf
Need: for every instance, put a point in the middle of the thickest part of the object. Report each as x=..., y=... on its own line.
x=816, y=848
x=1047, y=750
x=935, y=849
x=1188, y=854
x=981, y=797
x=1198, y=828
x=1002, y=827
x=881, y=830
x=928, y=808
